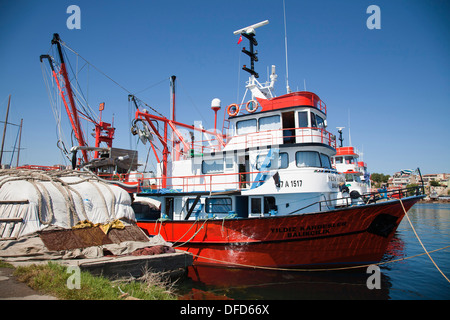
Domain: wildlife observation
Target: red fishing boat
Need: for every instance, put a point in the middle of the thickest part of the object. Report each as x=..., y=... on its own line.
x=352, y=235
x=262, y=192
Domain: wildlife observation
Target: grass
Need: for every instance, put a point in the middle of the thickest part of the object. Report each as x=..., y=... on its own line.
x=4, y=264
x=52, y=279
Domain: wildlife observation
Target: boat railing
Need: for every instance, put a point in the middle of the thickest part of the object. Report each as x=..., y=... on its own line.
x=197, y=183
x=204, y=143
x=367, y=198
x=38, y=167
x=203, y=183
x=208, y=143
x=281, y=137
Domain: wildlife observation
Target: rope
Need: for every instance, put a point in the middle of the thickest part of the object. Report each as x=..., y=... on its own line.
x=195, y=233
x=192, y=225
x=317, y=269
x=104, y=74
x=48, y=202
x=420, y=241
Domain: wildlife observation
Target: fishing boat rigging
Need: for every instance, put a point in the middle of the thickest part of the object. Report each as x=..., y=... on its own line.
x=97, y=157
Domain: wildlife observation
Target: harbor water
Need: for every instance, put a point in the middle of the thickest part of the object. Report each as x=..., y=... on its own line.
x=406, y=273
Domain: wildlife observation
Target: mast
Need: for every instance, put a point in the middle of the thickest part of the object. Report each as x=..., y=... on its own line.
x=172, y=113
x=288, y=89
x=4, y=129
x=249, y=33
x=257, y=90
x=20, y=138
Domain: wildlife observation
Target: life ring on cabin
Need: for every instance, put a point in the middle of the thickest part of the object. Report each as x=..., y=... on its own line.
x=233, y=110
x=251, y=103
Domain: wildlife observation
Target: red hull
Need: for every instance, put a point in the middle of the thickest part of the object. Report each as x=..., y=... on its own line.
x=352, y=235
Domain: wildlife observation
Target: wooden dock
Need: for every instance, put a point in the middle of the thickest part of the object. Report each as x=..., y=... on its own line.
x=171, y=264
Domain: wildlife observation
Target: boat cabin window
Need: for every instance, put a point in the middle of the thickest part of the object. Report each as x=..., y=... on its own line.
x=190, y=202
x=303, y=119
x=229, y=163
x=338, y=159
x=246, y=126
x=325, y=160
x=312, y=159
x=307, y=159
x=349, y=160
x=258, y=204
x=350, y=177
x=313, y=120
x=269, y=204
x=283, y=161
x=212, y=166
x=218, y=205
x=320, y=122
x=255, y=205
x=269, y=123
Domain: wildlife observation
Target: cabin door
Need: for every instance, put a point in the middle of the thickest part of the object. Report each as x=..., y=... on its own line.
x=288, y=120
x=244, y=169
x=169, y=207
x=256, y=206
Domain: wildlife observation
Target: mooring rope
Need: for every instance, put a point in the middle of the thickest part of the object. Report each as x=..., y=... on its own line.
x=195, y=233
x=316, y=269
x=420, y=241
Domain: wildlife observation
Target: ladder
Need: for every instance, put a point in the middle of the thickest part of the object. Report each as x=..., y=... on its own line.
x=225, y=128
x=11, y=225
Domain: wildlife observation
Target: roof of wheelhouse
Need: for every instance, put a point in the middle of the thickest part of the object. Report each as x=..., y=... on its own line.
x=290, y=100
x=302, y=98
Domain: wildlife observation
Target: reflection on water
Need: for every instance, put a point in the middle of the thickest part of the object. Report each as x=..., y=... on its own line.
x=414, y=278
x=274, y=285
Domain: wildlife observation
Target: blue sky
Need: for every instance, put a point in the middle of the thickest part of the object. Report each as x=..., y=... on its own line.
x=391, y=85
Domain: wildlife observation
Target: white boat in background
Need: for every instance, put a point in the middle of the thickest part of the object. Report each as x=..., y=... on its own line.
x=346, y=162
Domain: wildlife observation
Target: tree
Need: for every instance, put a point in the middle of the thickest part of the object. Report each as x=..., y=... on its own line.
x=435, y=183
x=379, y=178
x=411, y=189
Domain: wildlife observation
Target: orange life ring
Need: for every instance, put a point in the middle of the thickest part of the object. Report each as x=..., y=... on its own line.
x=233, y=110
x=248, y=104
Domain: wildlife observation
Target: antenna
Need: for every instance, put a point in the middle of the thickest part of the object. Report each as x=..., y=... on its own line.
x=249, y=33
x=251, y=29
x=340, y=135
x=257, y=90
x=288, y=89
x=349, y=135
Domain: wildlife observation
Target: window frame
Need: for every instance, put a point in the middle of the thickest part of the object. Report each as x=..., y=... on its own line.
x=247, y=121
x=307, y=166
x=266, y=117
x=213, y=172
x=209, y=205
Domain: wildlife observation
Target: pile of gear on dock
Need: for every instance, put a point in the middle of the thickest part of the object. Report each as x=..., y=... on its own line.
x=65, y=215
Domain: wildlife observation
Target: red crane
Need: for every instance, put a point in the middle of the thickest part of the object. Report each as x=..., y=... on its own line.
x=104, y=132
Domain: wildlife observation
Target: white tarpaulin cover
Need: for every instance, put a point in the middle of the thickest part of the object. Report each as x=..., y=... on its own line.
x=58, y=198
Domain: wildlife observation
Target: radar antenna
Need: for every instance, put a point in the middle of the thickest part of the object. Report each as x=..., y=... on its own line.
x=249, y=33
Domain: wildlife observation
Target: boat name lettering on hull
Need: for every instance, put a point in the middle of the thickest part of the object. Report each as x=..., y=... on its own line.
x=301, y=231
x=291, y=183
